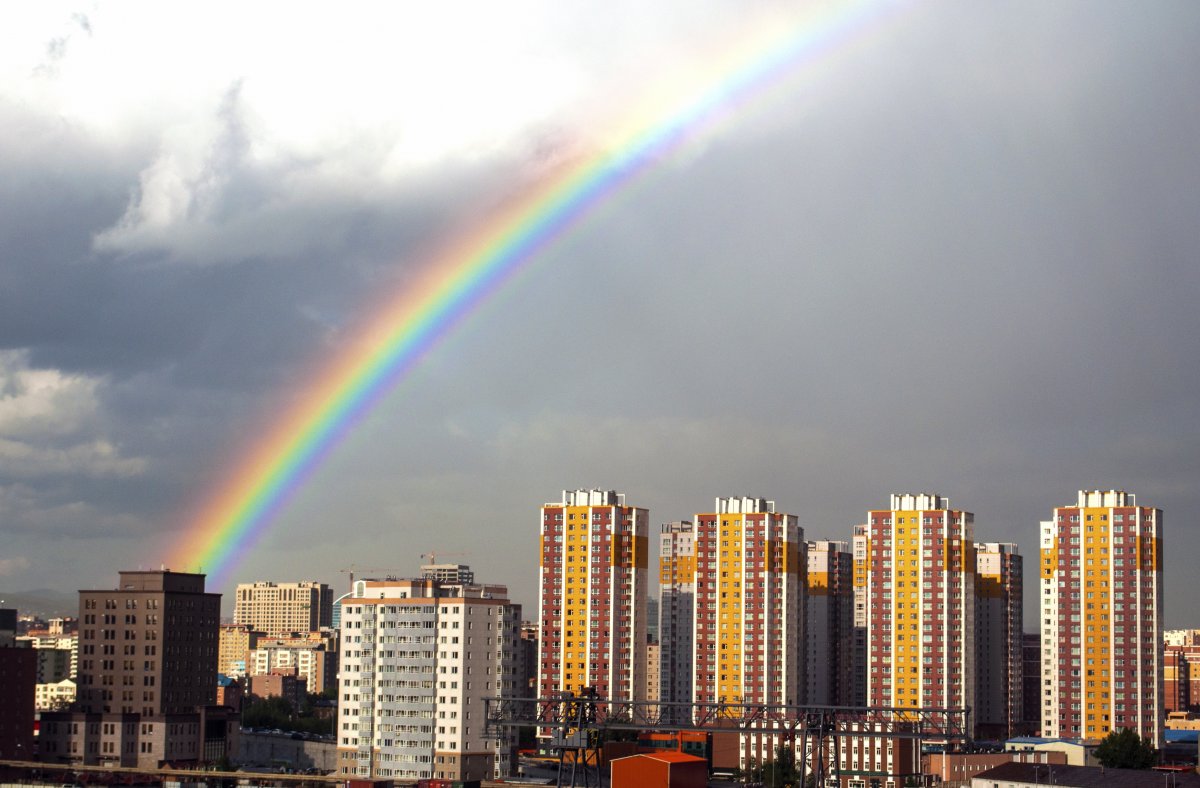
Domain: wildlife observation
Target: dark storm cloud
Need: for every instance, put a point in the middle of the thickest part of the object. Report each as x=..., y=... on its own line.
x=971, y=272
x=961, y=258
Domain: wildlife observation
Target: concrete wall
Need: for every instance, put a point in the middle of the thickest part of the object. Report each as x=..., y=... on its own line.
x=268, y=749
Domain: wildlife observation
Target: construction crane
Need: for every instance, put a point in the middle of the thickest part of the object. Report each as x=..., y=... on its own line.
x=433, y=556
x=355, y=568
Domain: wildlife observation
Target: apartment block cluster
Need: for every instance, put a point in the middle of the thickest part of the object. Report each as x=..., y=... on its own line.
x=734, y=606
x=281, y=642
x=910, y=612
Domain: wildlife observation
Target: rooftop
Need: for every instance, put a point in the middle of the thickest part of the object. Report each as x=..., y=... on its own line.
x=1086, y=776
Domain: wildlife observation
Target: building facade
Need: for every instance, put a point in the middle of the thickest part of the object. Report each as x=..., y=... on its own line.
x=56, y=641
x=829, y=614
x=1102, y=594
x=653, y=677
x=1181, y=671
x=860, y=544
x=234, y=643
x=1031, y=678
x=999, y=658
x=18, y=677
x=280, y=683
x=282, y=608
x=920, y=604
x=749, y=620
x=460, y=574
x=418, y=658
x=593, y=587
x=147, y=677
x=676, y=610
x=56, y=696
x=312, y=657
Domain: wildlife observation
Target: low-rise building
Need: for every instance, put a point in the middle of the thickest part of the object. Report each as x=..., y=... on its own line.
x=955, y=770
x=280, y=683
x=1078, y=753
x=230, y=692
x=55, y=696
x=311, y=655
x=1036, y=775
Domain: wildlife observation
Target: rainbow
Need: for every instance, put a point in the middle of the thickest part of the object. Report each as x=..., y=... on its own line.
x=479, y=262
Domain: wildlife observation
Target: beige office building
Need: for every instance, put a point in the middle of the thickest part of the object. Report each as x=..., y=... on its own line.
x=283, y=608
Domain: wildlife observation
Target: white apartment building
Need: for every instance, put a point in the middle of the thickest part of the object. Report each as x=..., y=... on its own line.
x=58, y=642
x=418, y=658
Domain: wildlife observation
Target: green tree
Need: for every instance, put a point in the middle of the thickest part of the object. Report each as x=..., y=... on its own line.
x=780, y=772
x=1124, y=749
x=275, y=712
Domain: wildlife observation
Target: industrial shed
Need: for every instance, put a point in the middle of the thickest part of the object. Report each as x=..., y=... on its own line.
x=659, y=770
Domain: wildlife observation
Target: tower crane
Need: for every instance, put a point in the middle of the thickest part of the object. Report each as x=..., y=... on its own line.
x=432, y=556
x=355, y=568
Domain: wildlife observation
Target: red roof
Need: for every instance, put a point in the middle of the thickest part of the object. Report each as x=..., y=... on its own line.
x=668, y=756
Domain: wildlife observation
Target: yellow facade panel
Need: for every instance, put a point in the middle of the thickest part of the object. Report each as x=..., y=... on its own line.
x=905, y=660
x=1050, y=560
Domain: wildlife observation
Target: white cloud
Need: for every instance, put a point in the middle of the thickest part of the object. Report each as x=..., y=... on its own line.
x=50, y=424
x=95, y=458
x=41, y=402
x=242, y=117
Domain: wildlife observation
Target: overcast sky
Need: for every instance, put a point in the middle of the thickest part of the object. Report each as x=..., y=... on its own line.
x=958, y=252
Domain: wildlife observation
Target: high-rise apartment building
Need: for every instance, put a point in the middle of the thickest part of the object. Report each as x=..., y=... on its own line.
x=147, y=676
x=861, y=542
x=1102, y=594
x=829, y=615
x=1031, y=679
x=282, y=608
x=749, y=620
x=418, y=658
x=920, y=604
x=653, y=675
x=999, y=694
x=1181, y=670
x=592, y=596
x=676, y=610
x=527, y=660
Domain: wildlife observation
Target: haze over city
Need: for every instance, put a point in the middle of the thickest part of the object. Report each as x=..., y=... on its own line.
x=954, y=251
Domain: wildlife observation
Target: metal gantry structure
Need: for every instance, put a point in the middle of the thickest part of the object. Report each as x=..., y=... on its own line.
x=579, y=724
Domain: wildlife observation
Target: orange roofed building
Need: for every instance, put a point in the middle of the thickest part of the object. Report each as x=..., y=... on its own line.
x=659, y=770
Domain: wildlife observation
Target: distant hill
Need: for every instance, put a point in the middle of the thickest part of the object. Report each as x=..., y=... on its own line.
x=44, y=602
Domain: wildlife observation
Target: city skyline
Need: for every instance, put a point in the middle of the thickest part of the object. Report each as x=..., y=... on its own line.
x=957, y=248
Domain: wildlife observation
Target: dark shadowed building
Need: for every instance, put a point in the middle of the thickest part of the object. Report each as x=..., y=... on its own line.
x=147, y=677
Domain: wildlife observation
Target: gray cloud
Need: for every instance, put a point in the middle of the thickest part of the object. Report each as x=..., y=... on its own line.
x=957, y=256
